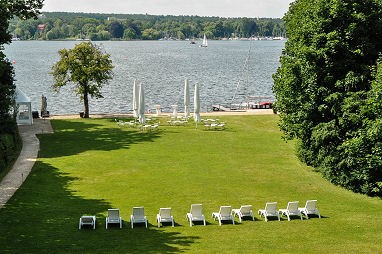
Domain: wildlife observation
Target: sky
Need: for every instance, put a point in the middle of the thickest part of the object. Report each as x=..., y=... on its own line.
x=221, y=8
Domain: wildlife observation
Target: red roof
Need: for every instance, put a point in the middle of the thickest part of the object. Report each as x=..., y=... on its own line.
x=41, y=26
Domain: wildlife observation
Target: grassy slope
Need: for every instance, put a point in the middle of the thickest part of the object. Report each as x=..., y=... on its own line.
x=90, y=165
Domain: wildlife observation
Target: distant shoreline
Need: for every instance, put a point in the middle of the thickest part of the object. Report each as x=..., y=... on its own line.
x=269, y=38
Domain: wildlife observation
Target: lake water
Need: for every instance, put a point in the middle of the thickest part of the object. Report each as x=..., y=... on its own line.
x=161, y=66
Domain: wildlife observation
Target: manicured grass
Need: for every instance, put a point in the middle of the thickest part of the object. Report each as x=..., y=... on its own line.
x=88, y=166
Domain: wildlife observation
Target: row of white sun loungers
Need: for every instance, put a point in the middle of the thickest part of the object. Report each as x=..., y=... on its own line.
x=214, y=126
x=142, y=127
x=292, y=209
x=209, y=124
x=226, y=213
x=177, y=122
x=113, y=217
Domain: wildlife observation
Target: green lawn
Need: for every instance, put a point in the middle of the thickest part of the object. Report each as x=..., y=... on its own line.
x=88, y=166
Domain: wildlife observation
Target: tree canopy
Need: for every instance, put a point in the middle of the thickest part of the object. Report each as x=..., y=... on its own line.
x=8, y=9
x=9, y=137
x=62, y=25
x=326, y=88
x=87, y=66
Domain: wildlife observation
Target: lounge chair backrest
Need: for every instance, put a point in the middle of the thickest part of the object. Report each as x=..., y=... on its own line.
x=165, y=212
x=113, y=213
x=271, y=207
x=245, y=209
x=311, y=205
x=293, y=206
x=139, y=212
x=196, y=210
x=87, y=220
x=225, y=210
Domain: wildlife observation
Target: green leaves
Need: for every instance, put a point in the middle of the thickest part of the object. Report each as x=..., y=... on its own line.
x=323, y=89
x=87, y=66
x=8, y=125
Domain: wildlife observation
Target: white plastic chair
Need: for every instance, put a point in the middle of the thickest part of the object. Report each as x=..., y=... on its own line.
x=310, y=208
x=225, y=213
x=138, y=216
x=243, y=211
x=270, y=211
x=113, y=217
x=196, y=214
x=164, y=215
x=87, y=220
x=292, y=209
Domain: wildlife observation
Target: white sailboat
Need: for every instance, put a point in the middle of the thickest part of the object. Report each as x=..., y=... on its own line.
x=205, y=42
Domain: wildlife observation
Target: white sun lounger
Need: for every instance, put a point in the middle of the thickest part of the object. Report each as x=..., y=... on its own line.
x=113, y=217
x=225, y=213
x=310, y=208
x=87, y=220
x=164, y=215
x=292, y=209
x=138, y=216
x=243, y=211
x=269, y=211
x=196, y=214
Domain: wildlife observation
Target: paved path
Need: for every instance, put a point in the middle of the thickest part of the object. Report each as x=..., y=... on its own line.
x=28, y=155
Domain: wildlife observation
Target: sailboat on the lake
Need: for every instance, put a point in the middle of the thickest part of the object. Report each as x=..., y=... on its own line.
x=205, y=42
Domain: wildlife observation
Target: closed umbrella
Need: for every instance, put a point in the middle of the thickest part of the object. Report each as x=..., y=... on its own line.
x=196, y=104
x=135, y=98
x=186, y=98
x=44, y=106
x=141, y=105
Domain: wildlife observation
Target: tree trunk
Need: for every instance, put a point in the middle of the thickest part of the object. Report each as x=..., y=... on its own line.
x=86, y=105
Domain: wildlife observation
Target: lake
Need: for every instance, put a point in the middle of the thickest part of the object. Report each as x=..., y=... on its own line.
x=161, y=66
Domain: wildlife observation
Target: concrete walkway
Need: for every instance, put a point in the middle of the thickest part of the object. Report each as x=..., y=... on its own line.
x=28, y=155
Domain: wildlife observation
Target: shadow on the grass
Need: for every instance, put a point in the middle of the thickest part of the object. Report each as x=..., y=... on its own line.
x=42, y=217
x=74, y=137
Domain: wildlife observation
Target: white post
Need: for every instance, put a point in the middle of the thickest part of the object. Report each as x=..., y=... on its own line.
x=174, y=110
x=158, y=111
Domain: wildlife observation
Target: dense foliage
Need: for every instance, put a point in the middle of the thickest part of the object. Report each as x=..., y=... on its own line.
x=87, y=66
x=8, y=128
x=7, y=95
x=327, y=94
x=9, y=141
x=60, y=25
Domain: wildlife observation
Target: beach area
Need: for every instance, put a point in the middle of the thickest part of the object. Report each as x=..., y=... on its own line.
x=168, y=114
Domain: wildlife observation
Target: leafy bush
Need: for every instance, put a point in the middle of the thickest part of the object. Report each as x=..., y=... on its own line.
x=324, y=89
x=10, y=145
x=9, y=138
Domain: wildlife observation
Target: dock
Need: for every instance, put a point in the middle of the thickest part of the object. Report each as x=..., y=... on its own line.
x=243, y=107
x=219, y=107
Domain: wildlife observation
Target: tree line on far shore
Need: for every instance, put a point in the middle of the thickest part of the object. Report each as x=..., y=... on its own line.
x=63, y=25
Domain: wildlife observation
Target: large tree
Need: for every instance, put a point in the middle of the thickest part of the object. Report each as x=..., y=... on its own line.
x=21, y=8
x=324, y=82
x=87, y=66
x=116, y=30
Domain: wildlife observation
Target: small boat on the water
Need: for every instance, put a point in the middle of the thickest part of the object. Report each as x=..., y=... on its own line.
x=205, y=42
